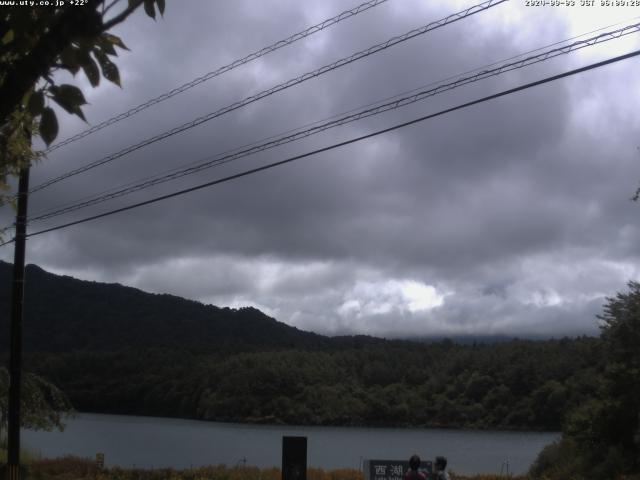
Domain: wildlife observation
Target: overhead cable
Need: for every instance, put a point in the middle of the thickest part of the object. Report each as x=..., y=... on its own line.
x=226, y=68
x=338, y=145
x=282, y=86
x=220, y=159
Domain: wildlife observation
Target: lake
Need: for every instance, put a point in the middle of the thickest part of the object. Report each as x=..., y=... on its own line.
x=163, y=442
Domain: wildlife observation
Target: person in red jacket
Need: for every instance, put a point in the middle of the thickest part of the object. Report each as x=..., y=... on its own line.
x=413, y=473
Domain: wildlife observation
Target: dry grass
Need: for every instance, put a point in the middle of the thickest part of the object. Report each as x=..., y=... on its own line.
x=74, y=468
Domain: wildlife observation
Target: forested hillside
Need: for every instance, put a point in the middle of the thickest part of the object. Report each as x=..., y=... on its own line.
x=66, y=314
x=115, y=349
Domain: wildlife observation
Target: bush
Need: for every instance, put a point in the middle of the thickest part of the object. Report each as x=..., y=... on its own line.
x=560, y=460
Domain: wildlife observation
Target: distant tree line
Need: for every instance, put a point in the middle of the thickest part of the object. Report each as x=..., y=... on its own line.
x=514, y=385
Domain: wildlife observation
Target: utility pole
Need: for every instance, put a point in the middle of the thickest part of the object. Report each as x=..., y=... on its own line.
x=13, y=470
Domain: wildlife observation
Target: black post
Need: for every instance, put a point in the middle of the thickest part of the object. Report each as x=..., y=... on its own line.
x=15, y=359
x=294, y=458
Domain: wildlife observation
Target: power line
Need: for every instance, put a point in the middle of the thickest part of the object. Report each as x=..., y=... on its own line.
x=208, y=76
x=220, y=159
x=341, y=144
x=317, y=122
x=282, y=86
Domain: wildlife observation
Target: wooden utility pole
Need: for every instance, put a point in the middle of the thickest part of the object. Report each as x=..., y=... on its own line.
x=13, y=470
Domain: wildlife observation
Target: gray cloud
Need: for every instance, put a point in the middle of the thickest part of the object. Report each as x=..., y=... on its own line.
x=511, y=217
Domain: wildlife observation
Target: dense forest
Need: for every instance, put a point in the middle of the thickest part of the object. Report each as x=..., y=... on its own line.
x=515, y=385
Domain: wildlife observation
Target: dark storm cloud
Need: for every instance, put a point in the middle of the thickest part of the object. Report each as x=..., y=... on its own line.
x=510, y=217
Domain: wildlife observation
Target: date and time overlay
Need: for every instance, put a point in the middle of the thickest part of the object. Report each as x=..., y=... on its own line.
x=577, y=4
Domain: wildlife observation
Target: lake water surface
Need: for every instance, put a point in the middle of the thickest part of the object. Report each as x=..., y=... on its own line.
x=162, y=442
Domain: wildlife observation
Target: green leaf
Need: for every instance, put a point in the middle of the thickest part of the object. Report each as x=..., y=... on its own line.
x=111, y=73
x=161, y=5
x=70, y=98
x=8, y=37
x=115, y=40
x=48, y=125
x=69, y=59
x=106, y=46
x=90, y=69
x=36, y=103
x=26, y=97
x=71, y=94
x=109, y=69
x=148, y=7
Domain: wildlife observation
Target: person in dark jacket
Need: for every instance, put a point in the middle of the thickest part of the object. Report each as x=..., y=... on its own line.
x=441, y=465
x=413, y=473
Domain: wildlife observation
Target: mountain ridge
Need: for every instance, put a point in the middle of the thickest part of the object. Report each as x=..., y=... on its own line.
x=92, y=315
x=100, y=316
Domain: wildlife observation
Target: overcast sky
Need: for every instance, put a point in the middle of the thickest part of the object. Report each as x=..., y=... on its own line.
x=511, y=217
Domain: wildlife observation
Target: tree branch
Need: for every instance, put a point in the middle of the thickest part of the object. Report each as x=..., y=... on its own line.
x=108, y=7
x=122, y=16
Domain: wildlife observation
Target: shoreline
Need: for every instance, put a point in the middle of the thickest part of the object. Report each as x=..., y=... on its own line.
x=362, y=426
